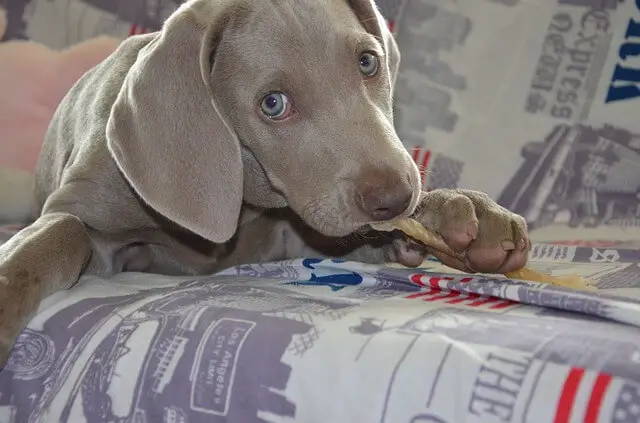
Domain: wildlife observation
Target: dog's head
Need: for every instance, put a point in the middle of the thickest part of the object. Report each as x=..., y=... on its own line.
x=277, y=103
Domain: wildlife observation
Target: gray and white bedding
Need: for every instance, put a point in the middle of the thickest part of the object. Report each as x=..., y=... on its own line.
x=534, y=102
x=328, y=341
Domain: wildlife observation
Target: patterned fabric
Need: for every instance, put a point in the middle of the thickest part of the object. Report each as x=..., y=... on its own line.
x=538, y=110
x=277, y=342
x=445, y=172
x=60, y=23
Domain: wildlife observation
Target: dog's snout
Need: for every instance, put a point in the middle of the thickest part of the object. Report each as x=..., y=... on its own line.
x=385, y=203
x=384, y=196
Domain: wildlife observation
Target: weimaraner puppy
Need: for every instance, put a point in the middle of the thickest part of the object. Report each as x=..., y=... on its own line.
x=243, y=131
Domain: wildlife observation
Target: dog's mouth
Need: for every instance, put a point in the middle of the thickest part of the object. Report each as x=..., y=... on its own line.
x=335, y=227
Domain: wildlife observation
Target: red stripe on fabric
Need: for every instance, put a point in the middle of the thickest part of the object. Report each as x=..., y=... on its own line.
x=416, y=153
x=450, y=295
x=392, y=26
x=503, y=304
x=423, y=294
x=133, y=29
x=484, y=301
x=434, y=281
x=468, y=297
x=424, y=165
x=425, y=159
x=568, y=395
x=597, y=396
x=417, y=279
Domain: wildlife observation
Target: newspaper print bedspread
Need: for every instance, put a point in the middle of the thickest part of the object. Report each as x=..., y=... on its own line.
x=544, y=93
x=317, y=340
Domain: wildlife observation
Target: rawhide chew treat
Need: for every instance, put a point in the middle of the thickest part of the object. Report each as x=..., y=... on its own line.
x=417, y=231
x=567, y=281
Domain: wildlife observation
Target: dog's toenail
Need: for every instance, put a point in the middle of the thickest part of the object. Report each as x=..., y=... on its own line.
x=508, y=245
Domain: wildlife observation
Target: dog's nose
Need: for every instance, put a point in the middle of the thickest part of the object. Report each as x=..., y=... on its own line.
x=387, y=200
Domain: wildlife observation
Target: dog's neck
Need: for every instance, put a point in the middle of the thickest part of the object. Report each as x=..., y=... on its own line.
x=258, y=190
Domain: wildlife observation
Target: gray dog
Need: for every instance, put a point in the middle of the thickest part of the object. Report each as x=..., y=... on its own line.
x=244, y=131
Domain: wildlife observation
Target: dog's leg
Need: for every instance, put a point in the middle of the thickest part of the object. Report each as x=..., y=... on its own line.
x=43, y=258
x=487, y=237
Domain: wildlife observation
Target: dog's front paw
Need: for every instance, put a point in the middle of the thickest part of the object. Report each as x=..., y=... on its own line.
x=15, y=307
x=7, y=339
x=8, y=331
x=486, y=237
x=5, y=352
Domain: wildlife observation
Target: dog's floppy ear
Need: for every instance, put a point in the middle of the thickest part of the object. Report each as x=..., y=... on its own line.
x=373, y=22
x=167, y=133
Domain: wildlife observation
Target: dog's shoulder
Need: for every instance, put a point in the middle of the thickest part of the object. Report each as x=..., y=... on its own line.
x=76, y=173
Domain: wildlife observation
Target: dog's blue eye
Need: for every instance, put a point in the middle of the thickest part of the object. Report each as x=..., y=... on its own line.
x=275, y=106
x=368, y=64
